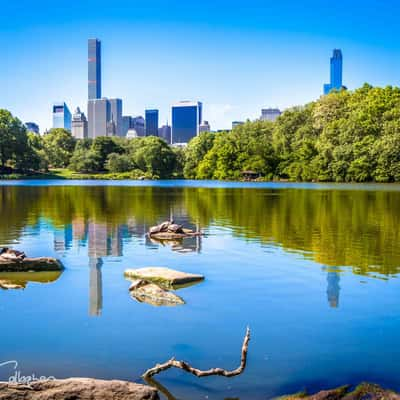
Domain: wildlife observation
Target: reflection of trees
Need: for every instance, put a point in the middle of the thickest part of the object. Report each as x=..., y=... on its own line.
x=335, y=228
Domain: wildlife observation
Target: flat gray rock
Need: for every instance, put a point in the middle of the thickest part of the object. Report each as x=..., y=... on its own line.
x=77, y=389
x=163, y=276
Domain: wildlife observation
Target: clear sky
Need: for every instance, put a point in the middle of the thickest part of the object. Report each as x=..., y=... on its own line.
x=235, y=57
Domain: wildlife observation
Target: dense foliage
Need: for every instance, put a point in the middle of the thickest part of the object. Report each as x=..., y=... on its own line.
x=343, y=137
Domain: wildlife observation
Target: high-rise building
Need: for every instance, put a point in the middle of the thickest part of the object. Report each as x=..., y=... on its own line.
x=270, y=114
x=79, y=125
x=151, y=122
x=32, y=127
x=165, y=133
x=186, y=120
x=116, y=115
x=336, y=72
x=61, y=116
x=99, y=116
x=204, y=127
x=94, y=69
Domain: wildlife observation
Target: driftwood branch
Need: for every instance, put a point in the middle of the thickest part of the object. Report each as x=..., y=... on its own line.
x=172, y=363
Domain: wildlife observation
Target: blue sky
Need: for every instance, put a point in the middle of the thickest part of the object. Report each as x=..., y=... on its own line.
x=234, y=57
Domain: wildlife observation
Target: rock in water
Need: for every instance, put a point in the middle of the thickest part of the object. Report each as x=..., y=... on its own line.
x=165, y=277
x=77, y=389
x=153, y=294
x=365, y=391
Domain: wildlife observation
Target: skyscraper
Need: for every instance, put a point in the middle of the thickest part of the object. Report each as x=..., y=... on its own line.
x=151, y=122
x=61, y=116
x=186, y=119
x=79, y=125
x=116, y=115
x=336, y=72
x=99, y=115
x=94, y=69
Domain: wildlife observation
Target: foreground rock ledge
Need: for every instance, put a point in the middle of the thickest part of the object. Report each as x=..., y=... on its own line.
x=365, y=391
x=77, y=389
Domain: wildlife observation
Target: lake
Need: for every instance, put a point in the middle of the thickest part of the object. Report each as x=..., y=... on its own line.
x=312, y=269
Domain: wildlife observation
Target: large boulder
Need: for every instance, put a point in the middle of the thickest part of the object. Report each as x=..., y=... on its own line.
x=77, y=389
x=166, y=277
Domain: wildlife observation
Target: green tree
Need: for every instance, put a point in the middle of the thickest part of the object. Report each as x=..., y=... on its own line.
x=59, y=145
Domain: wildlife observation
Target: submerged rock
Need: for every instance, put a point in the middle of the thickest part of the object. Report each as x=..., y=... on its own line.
x=150, y=293
x=165, y=277
x=29, y=264
x=77, y=389
x=365, y=391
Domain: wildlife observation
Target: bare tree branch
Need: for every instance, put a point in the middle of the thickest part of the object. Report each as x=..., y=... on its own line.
x=172, y=363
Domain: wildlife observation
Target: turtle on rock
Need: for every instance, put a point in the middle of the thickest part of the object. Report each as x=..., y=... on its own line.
x=11, y=254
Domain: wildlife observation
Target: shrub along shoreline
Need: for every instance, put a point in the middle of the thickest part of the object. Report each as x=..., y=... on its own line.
x=342, y=137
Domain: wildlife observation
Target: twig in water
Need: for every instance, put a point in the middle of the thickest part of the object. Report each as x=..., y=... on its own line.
x=172, y=363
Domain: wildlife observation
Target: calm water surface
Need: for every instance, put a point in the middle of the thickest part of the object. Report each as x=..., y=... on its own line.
x=312, y=269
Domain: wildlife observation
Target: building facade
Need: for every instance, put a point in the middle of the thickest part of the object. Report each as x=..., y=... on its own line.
x=98, y=116
x=151, y=122
x=165, y=132
x=61, y=116
x=32, y=127
x=270, y=114
x=94, y=69
x=336, y=72
x=79, y=125
x=186, y=120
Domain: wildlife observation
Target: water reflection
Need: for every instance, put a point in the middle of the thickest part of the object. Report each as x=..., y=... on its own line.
x=20, y=280
x=335, y=228
x=333, y=290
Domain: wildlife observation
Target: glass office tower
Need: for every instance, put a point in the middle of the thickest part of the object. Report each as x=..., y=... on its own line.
x=94, y=69
x=186, y=119
x=61, y=116
x=151, y=122
x=336, y=72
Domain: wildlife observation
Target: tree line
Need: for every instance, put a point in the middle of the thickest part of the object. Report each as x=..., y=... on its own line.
x=346, y=136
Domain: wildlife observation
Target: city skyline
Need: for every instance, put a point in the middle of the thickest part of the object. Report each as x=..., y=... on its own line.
x=234, y=44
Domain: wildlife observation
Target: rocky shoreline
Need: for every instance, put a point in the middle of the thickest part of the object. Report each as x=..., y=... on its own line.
x=96, y=389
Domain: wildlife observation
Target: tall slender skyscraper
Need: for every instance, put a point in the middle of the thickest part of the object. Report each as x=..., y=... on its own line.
x=94, y=69
x=336, y=82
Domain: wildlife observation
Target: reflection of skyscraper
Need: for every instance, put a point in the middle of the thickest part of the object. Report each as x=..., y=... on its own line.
x=63, y=238
x=333, y=290
x=95, y=287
